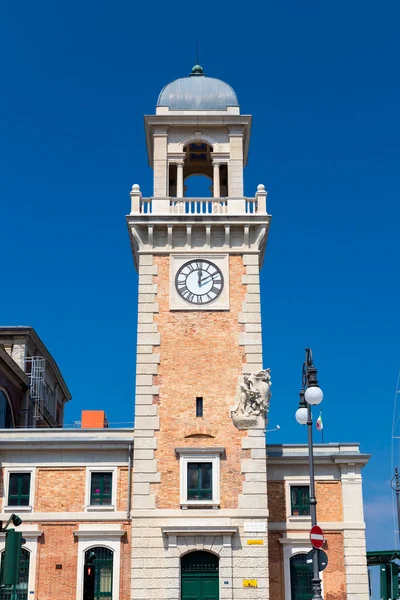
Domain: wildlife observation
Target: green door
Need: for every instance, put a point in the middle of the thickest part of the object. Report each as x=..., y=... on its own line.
x=300, y=578
x=200, y=576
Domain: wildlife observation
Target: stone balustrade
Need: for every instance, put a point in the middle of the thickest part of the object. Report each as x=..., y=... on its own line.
x=198, y=206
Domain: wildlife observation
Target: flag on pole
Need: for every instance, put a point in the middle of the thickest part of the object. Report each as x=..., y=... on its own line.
x=319, y=422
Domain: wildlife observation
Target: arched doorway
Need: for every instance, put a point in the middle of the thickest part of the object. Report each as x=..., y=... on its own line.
x=98, y=574
x=200, y=576
x=21, y=589
x=300, y=578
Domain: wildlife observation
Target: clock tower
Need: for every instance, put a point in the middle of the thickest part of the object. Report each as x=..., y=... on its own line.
x=199, y=506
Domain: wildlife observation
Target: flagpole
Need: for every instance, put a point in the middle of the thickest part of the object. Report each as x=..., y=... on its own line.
x=322, y=430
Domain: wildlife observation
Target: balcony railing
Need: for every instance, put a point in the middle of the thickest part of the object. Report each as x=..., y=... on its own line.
x=198, y=206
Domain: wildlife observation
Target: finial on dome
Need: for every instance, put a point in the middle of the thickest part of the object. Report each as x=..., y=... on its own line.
x=196, y=71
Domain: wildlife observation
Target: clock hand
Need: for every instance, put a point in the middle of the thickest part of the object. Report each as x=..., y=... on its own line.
x=200, y=274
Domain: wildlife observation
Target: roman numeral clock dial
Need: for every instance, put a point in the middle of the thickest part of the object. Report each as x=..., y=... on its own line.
x=199, y=282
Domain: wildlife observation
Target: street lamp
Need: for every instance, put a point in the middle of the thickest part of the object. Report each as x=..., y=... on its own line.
x=311, y=394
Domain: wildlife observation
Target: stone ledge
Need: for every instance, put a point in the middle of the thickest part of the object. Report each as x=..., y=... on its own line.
x=145, y=260
x=146, y=369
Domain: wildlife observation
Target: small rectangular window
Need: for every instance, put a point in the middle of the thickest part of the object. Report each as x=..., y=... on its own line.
x=199, y=483
x=100, y=489
x=300, y=500
x=19, y=488
x=199, y=407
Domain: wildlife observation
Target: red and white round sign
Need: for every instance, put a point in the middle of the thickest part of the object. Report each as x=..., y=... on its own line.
x=317, y=536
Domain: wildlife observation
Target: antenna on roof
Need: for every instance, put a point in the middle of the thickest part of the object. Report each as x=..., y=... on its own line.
x=197, y=51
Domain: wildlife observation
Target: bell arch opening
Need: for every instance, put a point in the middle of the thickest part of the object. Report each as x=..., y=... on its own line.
x=211, y=178
x=198, y=185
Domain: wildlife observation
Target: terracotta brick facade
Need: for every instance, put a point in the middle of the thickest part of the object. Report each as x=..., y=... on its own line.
x=59, y=527
x=199, y=350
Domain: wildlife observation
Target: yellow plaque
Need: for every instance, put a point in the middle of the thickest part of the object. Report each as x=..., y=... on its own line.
x=255, y=542
x=249, y=582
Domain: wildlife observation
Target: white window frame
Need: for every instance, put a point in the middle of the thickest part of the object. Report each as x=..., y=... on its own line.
x=199, y=455
x=296, y=483
x=109, y=537
x=292, y=546
x=31, y=535
x=22, y=469
x=97, y=508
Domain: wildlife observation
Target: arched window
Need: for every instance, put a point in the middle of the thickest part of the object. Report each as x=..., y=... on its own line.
x=6, y=591
x=200, y=576
x=98, y=574
x=300, y=578
x=6, y=421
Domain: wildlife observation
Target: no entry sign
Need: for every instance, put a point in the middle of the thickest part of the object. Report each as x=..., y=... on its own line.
x=317, y=536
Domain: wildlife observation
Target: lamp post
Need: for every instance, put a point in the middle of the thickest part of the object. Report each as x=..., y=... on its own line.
x=311, y=394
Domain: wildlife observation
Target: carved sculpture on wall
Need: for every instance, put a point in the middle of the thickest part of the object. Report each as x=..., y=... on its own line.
x=253, y=402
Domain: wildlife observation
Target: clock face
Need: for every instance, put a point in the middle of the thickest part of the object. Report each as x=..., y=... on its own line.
x=199, y=281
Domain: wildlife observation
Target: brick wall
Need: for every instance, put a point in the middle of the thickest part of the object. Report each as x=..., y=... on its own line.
x=276, y=501
x=67, y=487
x=199, y=356
x=334, y=575
x=276, y=575
x=329, y=501
x=60, y=490
x=59, y=545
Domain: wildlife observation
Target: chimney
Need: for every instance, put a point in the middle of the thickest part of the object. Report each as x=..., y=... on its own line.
x=94, y=419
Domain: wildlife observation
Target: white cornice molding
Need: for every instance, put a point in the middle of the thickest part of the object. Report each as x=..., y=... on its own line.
x=97, y=533
x=325, y=526
x=200, y=530
x=191, y=450
x=102, y=516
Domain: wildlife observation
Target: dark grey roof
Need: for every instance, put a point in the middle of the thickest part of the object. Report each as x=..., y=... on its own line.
x=197, y=93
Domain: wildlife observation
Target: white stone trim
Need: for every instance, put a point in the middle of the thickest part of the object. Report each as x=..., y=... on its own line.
x=69, y=516
x=178, y=303
x=202, y=456
x=97, y=469
x=23, y=468
x=31, y=535
x=295, y=481
x=295, y=544
x=109, y=537
x=357, y=586
x=174, y=532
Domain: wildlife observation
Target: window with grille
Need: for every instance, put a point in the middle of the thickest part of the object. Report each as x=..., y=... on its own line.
x=199, y=484
x=20, y=591
x=19, y=487
x=100, y=489
x=98, y=574
x=300, y=500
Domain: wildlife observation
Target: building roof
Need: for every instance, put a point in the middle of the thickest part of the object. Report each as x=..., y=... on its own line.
x=7, y=332
x=197, y=92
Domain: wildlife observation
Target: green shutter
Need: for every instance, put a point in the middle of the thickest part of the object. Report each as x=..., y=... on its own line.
x=19, y=485
x=199, y=481
x=101, y=489
x=300, y=500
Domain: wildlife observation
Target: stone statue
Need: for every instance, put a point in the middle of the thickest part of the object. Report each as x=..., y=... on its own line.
x=254, y=396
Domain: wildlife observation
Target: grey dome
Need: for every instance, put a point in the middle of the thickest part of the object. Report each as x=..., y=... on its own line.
x=197, y=92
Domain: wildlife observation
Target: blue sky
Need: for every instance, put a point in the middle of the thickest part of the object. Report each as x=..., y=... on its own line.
x=321, y=80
